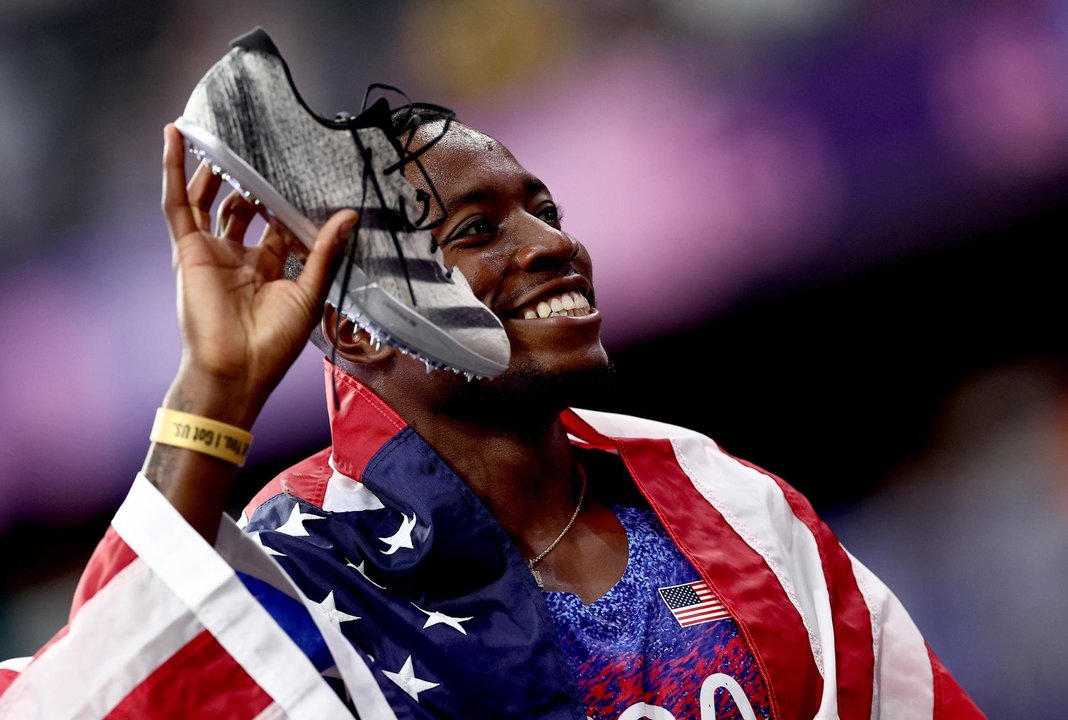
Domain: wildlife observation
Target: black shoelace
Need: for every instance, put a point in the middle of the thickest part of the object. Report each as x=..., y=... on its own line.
x=406, y=156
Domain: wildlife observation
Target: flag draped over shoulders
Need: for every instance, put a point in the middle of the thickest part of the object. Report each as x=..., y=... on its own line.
x=832, y=640
x=165, y=625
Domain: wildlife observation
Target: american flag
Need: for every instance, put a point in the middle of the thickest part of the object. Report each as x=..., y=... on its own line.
x=693, y=603
x=426, y=613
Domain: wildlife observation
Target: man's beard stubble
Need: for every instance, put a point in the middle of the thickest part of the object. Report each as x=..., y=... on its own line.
x=526, y=396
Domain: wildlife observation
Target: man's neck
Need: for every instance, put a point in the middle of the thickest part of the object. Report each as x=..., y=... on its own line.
x=518, y=460
x=527, y=478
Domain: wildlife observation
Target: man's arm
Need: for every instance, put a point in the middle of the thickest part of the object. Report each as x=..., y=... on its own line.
x=242, y=323
x=154, y=598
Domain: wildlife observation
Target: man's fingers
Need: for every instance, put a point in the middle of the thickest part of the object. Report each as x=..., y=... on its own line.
x=235, y=214
x=201, y=191
x=273, y=251
x=176, y=208
x=326, y=254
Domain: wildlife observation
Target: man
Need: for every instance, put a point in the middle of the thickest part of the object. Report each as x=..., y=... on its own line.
x=471, y=549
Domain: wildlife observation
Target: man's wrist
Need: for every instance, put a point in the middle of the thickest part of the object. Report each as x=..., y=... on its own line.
x=221, y=399
x=196, y=483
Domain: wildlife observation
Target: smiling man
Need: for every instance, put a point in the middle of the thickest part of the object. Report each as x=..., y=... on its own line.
x=462, y=549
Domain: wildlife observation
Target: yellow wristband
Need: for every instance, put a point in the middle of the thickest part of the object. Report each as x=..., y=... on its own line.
x=201, y=434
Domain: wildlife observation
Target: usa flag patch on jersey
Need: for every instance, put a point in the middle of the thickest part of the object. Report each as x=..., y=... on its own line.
x=693, y=603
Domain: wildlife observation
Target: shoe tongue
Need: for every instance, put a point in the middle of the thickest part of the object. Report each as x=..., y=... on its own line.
x=378, y=115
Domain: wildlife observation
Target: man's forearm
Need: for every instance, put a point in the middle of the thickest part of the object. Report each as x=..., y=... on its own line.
x=198, y=485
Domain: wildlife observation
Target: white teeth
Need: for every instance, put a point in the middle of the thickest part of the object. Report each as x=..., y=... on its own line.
x=568, y=304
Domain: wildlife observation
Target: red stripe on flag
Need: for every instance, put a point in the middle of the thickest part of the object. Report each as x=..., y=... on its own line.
x=111, y=555
x=201, y=680
x=853, y=643
x=378, y=424
x=6, y=678
x=362, y=418
x=950, y=701
x=745, y=584
x=701, y=610
x=703, y=615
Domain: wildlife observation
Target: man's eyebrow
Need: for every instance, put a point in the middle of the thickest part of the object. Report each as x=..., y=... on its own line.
x=484, y=194
x=535, y=186
x=478, y=195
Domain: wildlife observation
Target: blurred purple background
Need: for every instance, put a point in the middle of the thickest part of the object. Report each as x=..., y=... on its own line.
x=825, y=234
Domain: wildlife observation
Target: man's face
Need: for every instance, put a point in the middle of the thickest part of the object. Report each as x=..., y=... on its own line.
x=502, y=230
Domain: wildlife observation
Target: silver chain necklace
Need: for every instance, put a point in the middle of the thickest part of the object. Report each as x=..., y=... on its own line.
x=541, y=556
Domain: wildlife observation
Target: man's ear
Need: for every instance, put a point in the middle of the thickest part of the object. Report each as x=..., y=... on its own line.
x=354, y=346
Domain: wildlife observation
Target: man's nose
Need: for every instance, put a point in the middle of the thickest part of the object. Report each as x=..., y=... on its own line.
x=544, y=247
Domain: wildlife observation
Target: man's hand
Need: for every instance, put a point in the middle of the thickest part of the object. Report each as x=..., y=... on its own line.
x=242, y=323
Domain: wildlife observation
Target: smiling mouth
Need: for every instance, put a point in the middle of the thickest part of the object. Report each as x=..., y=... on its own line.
x=568, y=304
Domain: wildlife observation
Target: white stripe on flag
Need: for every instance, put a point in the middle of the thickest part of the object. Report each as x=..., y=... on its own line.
x=196, y=573
x=904, y=679
x=118, y=638
x=754, y=506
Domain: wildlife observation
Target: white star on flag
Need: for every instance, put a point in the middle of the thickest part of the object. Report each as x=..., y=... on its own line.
x=407, y=681
x=329, y=610
x=359, y=569
x=439, y=618
x=259, y=541
x=294, y=526
x=402, y=538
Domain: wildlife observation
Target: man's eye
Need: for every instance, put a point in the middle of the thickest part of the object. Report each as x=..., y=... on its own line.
x=552, y=214
x=475, y=231
x=477, y=227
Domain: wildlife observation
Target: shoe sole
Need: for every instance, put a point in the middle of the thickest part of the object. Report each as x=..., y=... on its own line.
x=384, y=317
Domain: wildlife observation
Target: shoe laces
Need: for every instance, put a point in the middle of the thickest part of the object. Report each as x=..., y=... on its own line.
x=406, y=156
x=410, y=124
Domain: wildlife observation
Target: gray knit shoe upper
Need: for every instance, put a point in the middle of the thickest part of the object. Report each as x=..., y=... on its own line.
x=247, y=119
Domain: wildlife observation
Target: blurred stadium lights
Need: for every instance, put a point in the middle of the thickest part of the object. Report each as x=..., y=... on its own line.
x=756, y=19
x=998, y=93
x=465, y=48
